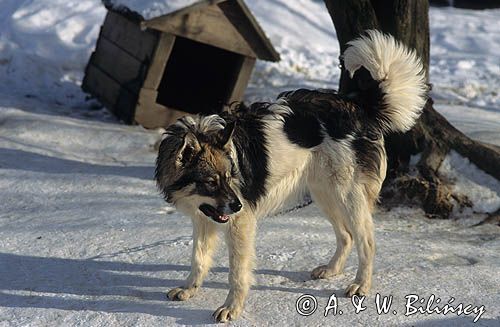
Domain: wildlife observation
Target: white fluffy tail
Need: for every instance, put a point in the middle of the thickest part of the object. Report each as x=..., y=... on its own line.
x=400, y=73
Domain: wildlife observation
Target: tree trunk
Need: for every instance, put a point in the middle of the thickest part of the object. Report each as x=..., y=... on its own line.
x=433, y=136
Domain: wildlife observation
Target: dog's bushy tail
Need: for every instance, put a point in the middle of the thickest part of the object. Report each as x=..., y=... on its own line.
x=400, y=76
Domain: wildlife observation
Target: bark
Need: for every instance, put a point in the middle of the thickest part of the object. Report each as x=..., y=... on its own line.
x=433, y=136
x=350, y=18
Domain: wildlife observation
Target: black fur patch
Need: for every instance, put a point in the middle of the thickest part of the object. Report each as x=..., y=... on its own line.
x=368, y=155
x=251, y=146
x=340, y=115
x=313, y=109
x=179, y=184
x=303, y=129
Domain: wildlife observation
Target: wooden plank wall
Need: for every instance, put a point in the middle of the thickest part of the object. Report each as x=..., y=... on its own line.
x=129, y=36
x=118, y=66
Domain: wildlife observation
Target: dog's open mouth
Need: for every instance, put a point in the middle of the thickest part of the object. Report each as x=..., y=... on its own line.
x=213, y=213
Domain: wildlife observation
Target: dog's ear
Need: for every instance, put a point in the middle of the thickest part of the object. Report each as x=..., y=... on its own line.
x=188, y=150
x=226, y=134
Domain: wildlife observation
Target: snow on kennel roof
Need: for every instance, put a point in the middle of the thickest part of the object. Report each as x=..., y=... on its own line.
x=155, y=14
x=149, y=9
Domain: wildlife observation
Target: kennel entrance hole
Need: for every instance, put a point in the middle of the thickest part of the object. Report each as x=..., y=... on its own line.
x=198, y=78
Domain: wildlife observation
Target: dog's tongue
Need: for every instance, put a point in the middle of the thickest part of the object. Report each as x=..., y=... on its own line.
x=224, y=217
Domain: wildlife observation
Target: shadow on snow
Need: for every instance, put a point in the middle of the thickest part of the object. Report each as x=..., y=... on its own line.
x=29, y=161
x=110, y=286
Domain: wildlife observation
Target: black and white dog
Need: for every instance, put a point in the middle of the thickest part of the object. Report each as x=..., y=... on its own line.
x=226, y=171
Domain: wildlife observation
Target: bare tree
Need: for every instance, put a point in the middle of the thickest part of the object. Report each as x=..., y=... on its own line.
x=433, y=136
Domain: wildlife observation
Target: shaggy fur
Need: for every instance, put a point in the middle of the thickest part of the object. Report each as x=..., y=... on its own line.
x=226, y=171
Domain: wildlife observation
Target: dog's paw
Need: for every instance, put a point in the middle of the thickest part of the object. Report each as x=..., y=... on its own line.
x=360, y=289
x=181, y=293
x=226, y=313
x=323, y=272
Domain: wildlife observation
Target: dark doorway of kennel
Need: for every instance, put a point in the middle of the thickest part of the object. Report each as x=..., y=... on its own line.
x=198, y=78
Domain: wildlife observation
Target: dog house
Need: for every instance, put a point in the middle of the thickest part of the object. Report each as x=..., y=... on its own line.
x=153, y=65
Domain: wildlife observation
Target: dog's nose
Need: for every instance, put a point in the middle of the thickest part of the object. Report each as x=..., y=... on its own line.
x=235, y=206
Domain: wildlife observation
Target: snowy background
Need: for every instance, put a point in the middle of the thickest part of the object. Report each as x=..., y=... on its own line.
x=85, y=238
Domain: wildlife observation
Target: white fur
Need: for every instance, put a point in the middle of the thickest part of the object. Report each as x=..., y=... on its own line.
x=400, y=72
x=186, y=122
x=340, y=187
x=210, y=124
x=202, y=124
x=287, y=165
x=280, y=109
x=329, y=171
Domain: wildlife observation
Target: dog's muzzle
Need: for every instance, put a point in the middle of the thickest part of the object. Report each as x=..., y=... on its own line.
x=222, y=214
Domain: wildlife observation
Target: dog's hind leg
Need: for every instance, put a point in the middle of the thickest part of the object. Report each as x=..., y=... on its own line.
x=348, y=207
x=204, y=241
x=328, y=204
x=360, y=218
x=240, y=237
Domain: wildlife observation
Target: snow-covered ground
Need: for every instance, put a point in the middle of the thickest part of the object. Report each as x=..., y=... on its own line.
x=85, y=239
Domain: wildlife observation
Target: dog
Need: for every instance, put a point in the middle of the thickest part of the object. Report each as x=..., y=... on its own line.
x=226, y=171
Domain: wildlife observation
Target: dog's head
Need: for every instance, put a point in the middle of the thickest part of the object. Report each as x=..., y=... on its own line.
x=196, y=169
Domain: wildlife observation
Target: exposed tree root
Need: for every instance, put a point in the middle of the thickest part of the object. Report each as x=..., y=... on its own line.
x=433, y=137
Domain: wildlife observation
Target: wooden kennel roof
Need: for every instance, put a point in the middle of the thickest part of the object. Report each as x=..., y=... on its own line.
x=227, y=24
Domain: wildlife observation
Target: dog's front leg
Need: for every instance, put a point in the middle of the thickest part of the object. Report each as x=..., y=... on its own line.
x=204, y=240
x=240, y=238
